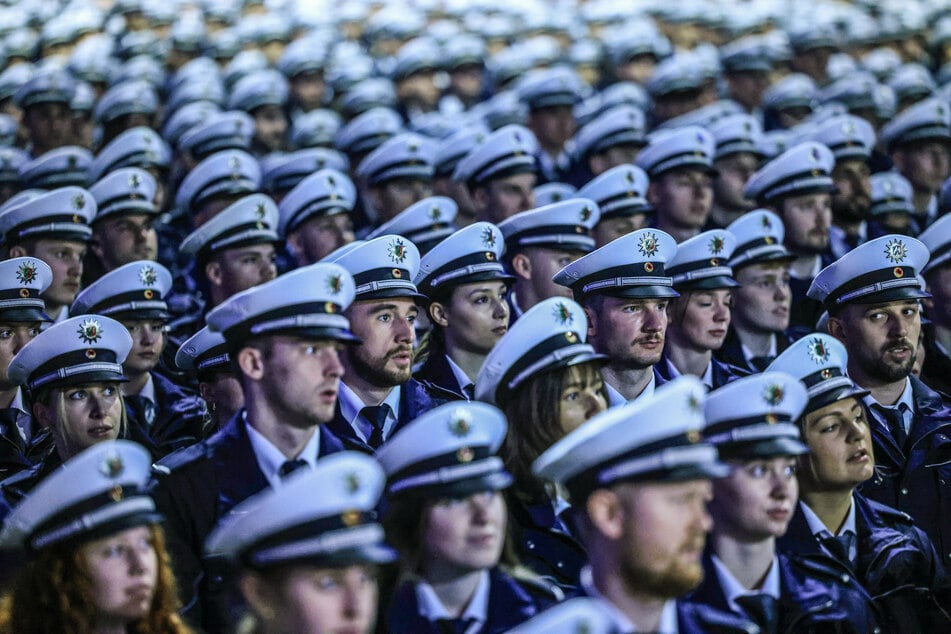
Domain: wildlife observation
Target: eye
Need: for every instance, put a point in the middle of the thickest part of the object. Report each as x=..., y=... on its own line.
x=790, y=471
x=756, y=470
x=412, y=318
x=834, y=427
x=6, y=333
x=76, y=395
x=109, y=391
x=34, y=331
x=481, y=299
x=326, y=582
x=571, y=395
x=384, y=318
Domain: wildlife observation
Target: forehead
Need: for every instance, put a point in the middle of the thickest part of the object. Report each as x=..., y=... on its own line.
x=402, y=304
x=767, y=268
x=844, y=406
x=50, y=244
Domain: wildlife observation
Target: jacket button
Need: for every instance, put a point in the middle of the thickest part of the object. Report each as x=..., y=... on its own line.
x=530, y=544
x=560, y=565
x=844, y=578
x=904, y=491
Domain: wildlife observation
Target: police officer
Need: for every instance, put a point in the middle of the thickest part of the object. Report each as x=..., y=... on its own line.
x=283, y=337
x=44, y=100
x=621, y=195
x=640, y=485
x=205, y=354
x=161, y=415
x=872, y=295
x=613, y=138
x=737, y=156
x=395, y=175
x=625, y=292
x=550, y=96
x=937, y=274
x=316, y=215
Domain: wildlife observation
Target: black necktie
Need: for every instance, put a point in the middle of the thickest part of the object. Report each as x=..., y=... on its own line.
x=840, y=546
x=290, y=467
x=376, y=416
x=454, y=626
x=895, y=421
x=761, y=608
x=760, y=363
x=469, y=391
x=142, y=408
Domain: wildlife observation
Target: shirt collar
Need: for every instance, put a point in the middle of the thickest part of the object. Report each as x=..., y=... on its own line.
x=816, y=527
x=733, y=588
x=668, y=618
x=148, y=390
x=351, y=404
x=270, y=457
x=748, y=354
x=615, y=397
x=432, y=609
x=17, y=402
x=706, y=379
x=461, y=377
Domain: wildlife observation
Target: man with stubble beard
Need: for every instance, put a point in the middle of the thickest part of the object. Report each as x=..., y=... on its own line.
x=638, y=477
x=379, y=395
x=624, y=291
x=872, y=296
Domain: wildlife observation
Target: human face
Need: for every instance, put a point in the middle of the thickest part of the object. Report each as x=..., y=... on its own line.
x=463, y=535
x=270, y=127
x=700, y=319
x=460, y=194
x=553, y=126
x=122, y=239
x=840, y=447
x=50, y=126
x=756, y=501
x=13, y=336
x=476, y=316
x=939, y=285
x=806, y=220
x=853, y=195
x=611, y=229
x=466, y=81
x=307, y=89
x=881, y=340
x=502, y=198
x=761, y=304
x=224, y=396
x=748, y=87
x=148, y=341
x=663, y=535
x=733, y=172
x=545, y=263
x=123, y=571
x=319, y=235
x=65, y=257
x=925, y=165
x=393, y=196
x=419, y=90
x=234, y=270
x=81, y=416
x=630, y=331
x=299, y=379
x=682, y=198
x=582, y=396
x=621, y=154
x=387, y=330
x=325, y=600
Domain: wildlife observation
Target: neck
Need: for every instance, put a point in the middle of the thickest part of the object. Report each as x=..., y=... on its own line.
x=369, y=393
x=53, y=310
x=110, y=627
x=215, y=296
x=135, y=384
x=832, y=507
x=803, y=266
x=942, y=335
x=849, y=226
x=278, y=426
x=470, y=362
x=628, y=382
x=643, y=610
x=454, y=591
x=759, y=343
x=6, y=397
x=882, y=392
x=524, y=295
x=749, y=562
x=688, y=360
x=723, y=216
x=677, y=232
x=921, y=199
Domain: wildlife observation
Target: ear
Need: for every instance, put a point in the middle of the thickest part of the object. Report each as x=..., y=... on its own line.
x=43, y=415
x=213, y=273
x=597, y=164
x=17, y=251
x=898, y=159
x=836, y=328
x=605, y=513
x=251, y=362
x=258, y=595
x=373, y=195
x=652, y=194
x=522, y=266
x=592, y=322
x=438, y=313
x=480, y=196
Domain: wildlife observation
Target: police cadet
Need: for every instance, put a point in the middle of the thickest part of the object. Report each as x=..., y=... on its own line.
x=639, y=478
x=263, y=94
x=53, y=227
x=797, y=185
x=72, y=370
x=892, y=206
x=542, y=241
x=466, y=287
x=917, y=142
x=625, y=291
x=752, y=424
x=449, y=152
x=22, y=281
x=547, y=379
x=205, y=354
x=550, y=96
x=876, y=545
x=283, y=338
x=500, y=173
x=315, y=215
x=379, y=395
x=281, y=542
x=680, y=165
x=621, y=196
x=44, y=100
x=699, y=317
x=215, y=183
x=395, y=175
x=761, y=302
x=937, y=274
x=161, y=415
x=737, y=156
x=613, y=138
x=872, y=295
x=446, y=516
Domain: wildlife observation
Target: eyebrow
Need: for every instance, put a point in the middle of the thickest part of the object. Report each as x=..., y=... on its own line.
x=379, y=308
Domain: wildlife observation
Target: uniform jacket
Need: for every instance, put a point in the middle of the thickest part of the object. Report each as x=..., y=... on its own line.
x=547, y=546
x=812, y=598
x=15, y=454
x=415, y=400
x=194, y=488
x=722, y=373
x=916, y=478
x=936, y=372
x=805, y=311
x=896, y=566
x=511, y=602
x=438, y=378
x=731, y=353
x=19, y=485
x=179, y=419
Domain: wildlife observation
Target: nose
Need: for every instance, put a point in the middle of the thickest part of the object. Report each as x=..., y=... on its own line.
x=782, y=290
x=333, y=368
x=20, y=339
x=596, y=404
x=653, y=320
x=780, y=484
x=501, y=309
x=403, y=330
x=722, y=312
x=136, y=559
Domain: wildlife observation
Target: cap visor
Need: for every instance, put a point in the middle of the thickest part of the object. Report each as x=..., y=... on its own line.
x=833, y=396
x=24, y=315
x=764, y=448
x=495, y=481
x=642, y=292
x=101, y=376
x=708, y=283
x=391, y=293
x=334, y=334
x=369, y=554
x=891, y=295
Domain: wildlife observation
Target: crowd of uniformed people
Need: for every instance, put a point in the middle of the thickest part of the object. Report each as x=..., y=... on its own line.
x=468, y=317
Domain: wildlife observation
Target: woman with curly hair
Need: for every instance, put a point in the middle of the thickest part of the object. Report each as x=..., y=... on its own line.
x=95, y=554
x=548, y=381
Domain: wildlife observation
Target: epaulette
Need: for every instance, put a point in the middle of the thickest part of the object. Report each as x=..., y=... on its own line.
x=890, y=512
x=540, y=587
x=179, y=459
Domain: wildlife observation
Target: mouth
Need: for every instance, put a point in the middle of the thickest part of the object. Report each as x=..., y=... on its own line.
x=140, y=592
x=859, y=457
x=501, y=330
x=652, y=342
x=901, y=351
x=717, y=333
x=779, y=513
x=483, y=539
x=100, y=431
x=328, y=395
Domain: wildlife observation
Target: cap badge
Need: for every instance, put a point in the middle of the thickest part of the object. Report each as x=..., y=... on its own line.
x=818, y=351
x=896, y=251
x=260, y=210
x=334, y=284
x=397, y=251
x=848, y=127
x=814, y=155
x=71, y=161
x=774, y=394
x=940, y=110
x=693, y=403
x=352, y=482
x=693, y=436
x=766, y=222
x=350, y=518
x=26, y=273
x=79, y=201
x=435, y=213
x=134, y=181
x=563, y=314
x=648, y=244
x=460, y=423
x=112, y=466
x=465, y=454
x=488, y=237
x=629, y=176
x=887, y=186
x=585, y=213
x=147, y=275
x=826, y=374
x=331, y=181
x=90, y=331
x=716, y=245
